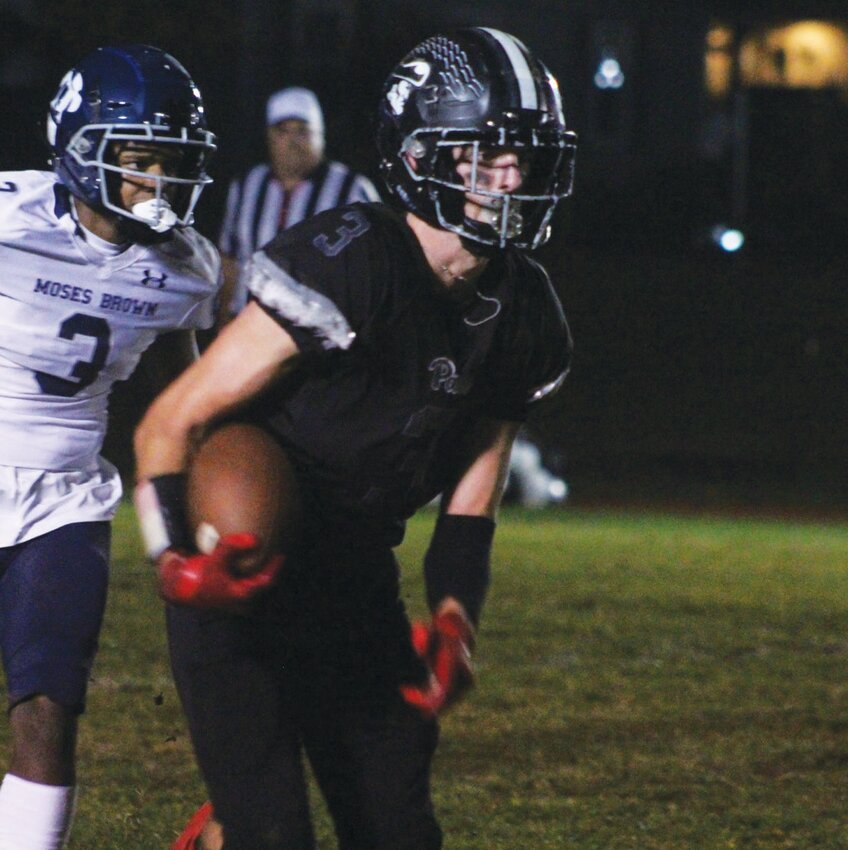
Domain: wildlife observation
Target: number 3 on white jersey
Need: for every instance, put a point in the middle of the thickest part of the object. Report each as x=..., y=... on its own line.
x=79, y=324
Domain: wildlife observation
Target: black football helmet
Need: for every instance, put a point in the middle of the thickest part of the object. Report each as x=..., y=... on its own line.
x=126, y=94
x=478, y=88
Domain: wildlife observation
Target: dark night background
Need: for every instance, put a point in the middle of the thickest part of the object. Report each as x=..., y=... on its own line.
x=699, y=376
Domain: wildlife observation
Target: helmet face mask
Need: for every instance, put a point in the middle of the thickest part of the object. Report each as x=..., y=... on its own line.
x=94, y=147
x=120, y=97
x=522, y=216
x=479, y=92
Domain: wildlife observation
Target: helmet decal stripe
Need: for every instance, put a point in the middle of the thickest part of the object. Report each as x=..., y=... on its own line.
x=520, y=66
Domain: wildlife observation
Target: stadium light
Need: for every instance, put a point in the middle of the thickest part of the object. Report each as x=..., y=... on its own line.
x=609, y=74
x=729, y=239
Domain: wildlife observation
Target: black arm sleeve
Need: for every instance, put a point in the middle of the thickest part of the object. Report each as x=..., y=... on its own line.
x=457, y=562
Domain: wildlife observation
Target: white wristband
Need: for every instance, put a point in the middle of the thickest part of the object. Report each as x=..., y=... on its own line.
x=154, y=529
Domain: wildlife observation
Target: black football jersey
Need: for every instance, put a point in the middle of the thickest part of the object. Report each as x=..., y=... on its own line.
x=394, y=371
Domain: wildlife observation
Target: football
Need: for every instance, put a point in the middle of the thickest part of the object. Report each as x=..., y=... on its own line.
x=240, y=480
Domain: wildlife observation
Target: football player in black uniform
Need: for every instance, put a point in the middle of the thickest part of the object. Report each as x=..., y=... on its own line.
x=393, y=354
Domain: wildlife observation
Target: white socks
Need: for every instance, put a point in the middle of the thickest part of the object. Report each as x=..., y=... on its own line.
x=34, y=816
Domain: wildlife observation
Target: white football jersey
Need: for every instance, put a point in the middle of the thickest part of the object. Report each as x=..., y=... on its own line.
x=74, y=319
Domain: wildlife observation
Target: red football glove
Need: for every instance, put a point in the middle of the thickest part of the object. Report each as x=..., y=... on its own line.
x=213, y=580
x=445, y=647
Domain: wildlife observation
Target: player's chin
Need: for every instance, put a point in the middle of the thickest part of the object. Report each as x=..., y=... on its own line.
x=139, y=233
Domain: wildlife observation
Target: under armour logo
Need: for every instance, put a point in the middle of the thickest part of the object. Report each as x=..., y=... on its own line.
x=444, y=375
x=151, y=279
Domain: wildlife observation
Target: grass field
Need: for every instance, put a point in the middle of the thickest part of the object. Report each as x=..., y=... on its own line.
x=645, y=681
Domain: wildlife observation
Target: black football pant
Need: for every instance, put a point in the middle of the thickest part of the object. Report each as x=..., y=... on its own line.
x=315, y=670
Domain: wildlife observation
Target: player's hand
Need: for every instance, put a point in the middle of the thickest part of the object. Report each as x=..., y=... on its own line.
x=216, y=580
x=445, y=646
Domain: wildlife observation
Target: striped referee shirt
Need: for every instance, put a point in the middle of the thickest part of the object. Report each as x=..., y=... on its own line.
x=258, y=206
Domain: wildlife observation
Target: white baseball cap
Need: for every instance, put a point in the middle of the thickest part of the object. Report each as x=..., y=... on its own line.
x=295, y=102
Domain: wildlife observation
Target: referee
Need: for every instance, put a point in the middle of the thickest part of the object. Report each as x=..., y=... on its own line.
x=294, y=184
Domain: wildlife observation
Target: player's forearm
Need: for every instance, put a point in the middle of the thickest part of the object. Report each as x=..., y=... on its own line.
x=473, y=497
x=158, y=453
x=245, y=358
x=163, y=438
x=480, y=487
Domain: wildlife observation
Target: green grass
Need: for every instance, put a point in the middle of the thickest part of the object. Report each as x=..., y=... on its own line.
x=644, y=681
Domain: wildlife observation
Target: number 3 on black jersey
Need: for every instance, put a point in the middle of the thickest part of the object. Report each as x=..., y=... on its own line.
x=345, y=234
x=84, y=370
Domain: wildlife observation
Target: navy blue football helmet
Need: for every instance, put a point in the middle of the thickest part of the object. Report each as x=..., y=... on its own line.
x=134, y=94
x=477, y=88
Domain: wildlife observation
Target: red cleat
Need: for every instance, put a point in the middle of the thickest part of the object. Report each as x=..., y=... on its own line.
x=189, y=837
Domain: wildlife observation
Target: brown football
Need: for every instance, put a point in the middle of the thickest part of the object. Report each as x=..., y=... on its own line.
x=240, y=480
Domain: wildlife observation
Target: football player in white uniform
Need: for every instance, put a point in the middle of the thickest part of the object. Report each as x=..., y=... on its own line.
x=99, y=260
